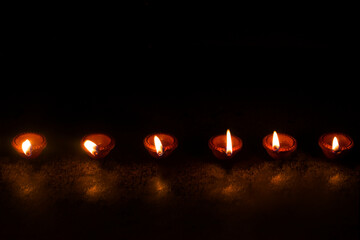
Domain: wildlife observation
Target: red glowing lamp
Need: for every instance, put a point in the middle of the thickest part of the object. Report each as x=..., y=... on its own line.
x=279, y=145
x=225, y=146
x=29, y=145
x=160, y=145
x=335, y=145
x=97, y=145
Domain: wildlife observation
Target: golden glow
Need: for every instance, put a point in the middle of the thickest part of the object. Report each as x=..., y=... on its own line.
x=275, y=142
x=158, y=146
x=228, y=143
x=91, y=147
x=280, y=179
x=335, y=145
x=26, y=147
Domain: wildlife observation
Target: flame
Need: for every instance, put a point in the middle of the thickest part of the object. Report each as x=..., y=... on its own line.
x=26, y=147
x=158, y=146
x=91, y=147
x=275, y=142
x=228, y=143
x=335, y=145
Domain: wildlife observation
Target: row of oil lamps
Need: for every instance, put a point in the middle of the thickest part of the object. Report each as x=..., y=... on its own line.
x=161, y=145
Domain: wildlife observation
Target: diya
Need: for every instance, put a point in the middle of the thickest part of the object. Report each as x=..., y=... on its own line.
x=279, y=145
x=225, y=146
x=160, y=145
x=29, y=145
x=335, y=145
x=97, y=145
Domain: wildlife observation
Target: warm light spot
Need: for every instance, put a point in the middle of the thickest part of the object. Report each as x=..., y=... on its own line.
x=275, y=142
x=26, y=189
x=228, y=143
x=94, y=190
x=26, y=147
x=279, y=179
x=160, y=186
x=337, y=181
x=158, y=146
x=335, y=145
x=91, y=147
x=231, y=190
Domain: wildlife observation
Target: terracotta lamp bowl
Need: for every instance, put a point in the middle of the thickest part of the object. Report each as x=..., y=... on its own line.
x=217, y=145
x=345, y=144
x=169, y=144
x=36, y=144
x=97, y=145
x=288, y=145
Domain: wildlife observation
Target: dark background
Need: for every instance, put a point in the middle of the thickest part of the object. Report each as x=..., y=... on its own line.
x=193, y=70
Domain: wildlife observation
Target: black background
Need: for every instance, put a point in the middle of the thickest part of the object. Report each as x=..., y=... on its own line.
x=187, y=68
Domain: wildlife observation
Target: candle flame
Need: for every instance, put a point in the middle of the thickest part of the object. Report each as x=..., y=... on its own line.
x=228, y=143
x=26, y=147
x=158, y=146
x=335, y=145
x=275, y=142
x=91, y=147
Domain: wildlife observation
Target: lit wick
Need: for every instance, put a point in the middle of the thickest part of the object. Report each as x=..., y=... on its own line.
x=91, y=147
x=335, y=145
x=228, y=143
x=26, y=147
x=275, y=142
x=158, y=146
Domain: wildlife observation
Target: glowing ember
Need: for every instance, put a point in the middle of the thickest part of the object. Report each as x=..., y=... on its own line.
x=335, y=145
x=158, y=146
x=26, y=147
x=275, y=142
x=91, y=147
x=228, y=143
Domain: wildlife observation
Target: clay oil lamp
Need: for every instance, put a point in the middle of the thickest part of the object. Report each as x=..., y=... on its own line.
x=29, y=145
x=279, y=145
x=225, y=146
x=97, y=145
x=160, y=145
x=335, y=145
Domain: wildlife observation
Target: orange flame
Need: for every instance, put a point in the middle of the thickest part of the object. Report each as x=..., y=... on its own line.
x=335, y=145
x=26, y=147
x=228, y=143
x=158, y=146
x=275, y=142
x=91, y=147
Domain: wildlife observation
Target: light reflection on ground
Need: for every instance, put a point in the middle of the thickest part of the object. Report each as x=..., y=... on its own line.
x=91, y=181
x=24, y=181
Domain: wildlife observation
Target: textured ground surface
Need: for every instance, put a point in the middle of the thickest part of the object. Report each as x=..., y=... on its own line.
x=78, y=197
